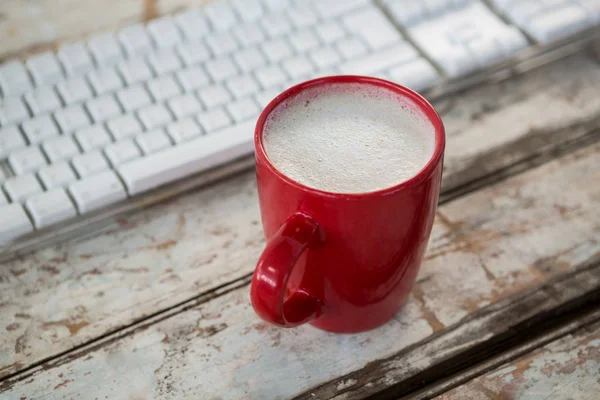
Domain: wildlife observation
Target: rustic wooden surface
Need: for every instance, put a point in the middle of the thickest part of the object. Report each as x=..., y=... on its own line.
x=568, y=368
x=163, y=299
x=498, y=240
x=72, y=293
x=32, y=26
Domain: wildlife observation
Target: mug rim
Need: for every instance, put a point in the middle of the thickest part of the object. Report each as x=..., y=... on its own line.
x=423, y=105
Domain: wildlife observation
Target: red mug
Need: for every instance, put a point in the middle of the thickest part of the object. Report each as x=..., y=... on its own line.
x=343, y=262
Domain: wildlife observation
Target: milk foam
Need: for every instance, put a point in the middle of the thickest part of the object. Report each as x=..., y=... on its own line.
x=349, y=138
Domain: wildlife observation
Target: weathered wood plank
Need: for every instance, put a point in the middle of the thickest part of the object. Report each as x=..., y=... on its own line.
x=560, y=325
x=483, y=335
x=568, y=368
x=34, y=26
x=485, y=248
x=66, y=295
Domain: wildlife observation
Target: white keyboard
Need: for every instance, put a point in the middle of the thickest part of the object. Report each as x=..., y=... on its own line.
x=100, y=123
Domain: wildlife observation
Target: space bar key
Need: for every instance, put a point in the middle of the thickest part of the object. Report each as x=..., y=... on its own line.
x=188, y=158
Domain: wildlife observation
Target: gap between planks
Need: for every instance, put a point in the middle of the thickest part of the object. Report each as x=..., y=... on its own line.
x=573, y=322
x=564, y=368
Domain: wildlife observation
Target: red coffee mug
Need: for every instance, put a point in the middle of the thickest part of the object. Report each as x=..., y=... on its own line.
x=343, y=262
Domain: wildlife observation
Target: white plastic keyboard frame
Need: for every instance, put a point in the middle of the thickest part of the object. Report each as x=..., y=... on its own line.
x=107, y=218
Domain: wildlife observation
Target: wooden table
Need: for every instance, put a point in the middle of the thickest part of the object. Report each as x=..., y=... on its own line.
x=507, y=303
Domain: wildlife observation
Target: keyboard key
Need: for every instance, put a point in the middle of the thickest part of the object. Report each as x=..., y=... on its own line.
x=97, y=191
x=372, y=27
x=103, y=108
x=522, y=12
x=417, y=74
x=192, y=78
x=180, y=161
x=50, y=207
x=124, y=126
x=183, y=130
x=214, y=120
x=214, y=95
x=243, y=109
x=249, y=35
x=351, y=48
x=182, y=106
x=276, y=24
x=89, y=163
x=466, y=39
x=57, y=175
x=220, y=15
x=26, y=160
x=163, y=88
x=407, y=12
x=333, y=8
x=276, y=5
x=154, y=116
x=45, y=69
x=105, y=80
x=122, y=151
x=304, y=40
x=10, y=139
x=39, y=129
x=277, y=50
x=249, y=59
x=42, y=100
x=164, y=32
x=22, y=187
x=92, y=137
x=302, y=16
x=193, y=53
x=75, y=59
x=12, y=110
x=330, y=32
x=60, y=148
x=248, y=10
x=135, y=40
x=325, y=57
x=221, y=69
x=164, y=61
x=242, y=86
x=105, y=49
x=72, y=118
x=153, y=141
x=380, y=61
x=264, y=97
x=297, y=67
x=14, y=79
x=193, y=24
x=133, y=97
x=74, y=90
x=270, y=76
x=558, y=22
x=134, y=70
x=14, y=222
x=221, y=43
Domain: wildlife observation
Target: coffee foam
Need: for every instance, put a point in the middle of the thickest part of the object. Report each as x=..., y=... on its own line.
x=349, y=138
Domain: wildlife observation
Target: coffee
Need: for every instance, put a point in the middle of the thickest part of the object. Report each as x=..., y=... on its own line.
x=349, y=138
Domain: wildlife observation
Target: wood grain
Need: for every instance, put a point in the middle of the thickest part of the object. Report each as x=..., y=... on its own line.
x=485, y=248
x=29, y=27
x=567, y=368
x=66, y=295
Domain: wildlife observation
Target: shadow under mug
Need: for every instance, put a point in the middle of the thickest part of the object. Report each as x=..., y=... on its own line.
x=343, y=262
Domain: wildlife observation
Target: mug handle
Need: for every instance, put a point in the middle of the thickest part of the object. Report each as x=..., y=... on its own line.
x=298, y=233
